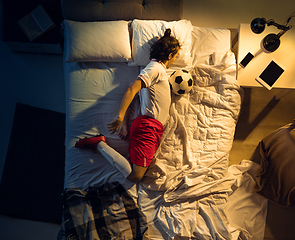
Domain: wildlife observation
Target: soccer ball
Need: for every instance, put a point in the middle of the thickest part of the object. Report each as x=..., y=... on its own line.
x=181, y=82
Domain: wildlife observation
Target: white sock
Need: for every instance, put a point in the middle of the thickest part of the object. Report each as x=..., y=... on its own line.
x=115, y=158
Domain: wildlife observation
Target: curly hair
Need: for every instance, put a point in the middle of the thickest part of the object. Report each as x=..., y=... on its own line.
x=167, y=44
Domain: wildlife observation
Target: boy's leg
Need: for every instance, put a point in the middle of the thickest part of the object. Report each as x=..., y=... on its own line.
x=116, y=159
x=113, y=157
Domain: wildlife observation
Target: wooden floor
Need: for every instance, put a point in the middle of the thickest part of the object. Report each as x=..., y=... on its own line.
x=260, y=115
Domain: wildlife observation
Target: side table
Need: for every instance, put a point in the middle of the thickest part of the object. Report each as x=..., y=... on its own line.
x=247, y=41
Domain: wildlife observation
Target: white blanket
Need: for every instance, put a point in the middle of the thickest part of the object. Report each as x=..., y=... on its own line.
x=199, y=132
x=191, y=173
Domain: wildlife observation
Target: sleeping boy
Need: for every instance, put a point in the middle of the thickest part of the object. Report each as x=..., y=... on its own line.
x=146, y=130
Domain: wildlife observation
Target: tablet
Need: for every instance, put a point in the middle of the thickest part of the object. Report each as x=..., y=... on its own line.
x=270, y=75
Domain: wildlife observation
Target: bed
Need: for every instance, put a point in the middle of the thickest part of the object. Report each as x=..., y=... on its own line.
x=189, y=192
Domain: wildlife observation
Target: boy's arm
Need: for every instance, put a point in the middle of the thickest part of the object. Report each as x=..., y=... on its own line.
x=131, y=91
x=125, y=126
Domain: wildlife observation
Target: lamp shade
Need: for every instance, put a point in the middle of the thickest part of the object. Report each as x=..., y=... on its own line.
x=258, y=25
x=271, y=42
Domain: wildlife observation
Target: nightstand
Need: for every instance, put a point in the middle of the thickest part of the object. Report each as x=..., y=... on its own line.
x=13, y=35
x=247, y=41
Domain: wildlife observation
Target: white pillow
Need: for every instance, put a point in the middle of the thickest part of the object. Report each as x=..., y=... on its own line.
x=97, y=41
x=146, y=32
x=206, y=41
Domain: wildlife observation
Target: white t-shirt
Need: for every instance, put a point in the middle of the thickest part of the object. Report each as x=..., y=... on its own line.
x=155, y=98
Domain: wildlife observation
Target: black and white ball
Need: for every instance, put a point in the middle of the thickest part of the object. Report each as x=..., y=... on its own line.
x=181, y=82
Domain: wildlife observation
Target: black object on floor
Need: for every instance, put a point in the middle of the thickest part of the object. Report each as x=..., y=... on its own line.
x=33, y=175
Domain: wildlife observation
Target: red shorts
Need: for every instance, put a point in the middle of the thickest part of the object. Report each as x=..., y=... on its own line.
x=145, y=136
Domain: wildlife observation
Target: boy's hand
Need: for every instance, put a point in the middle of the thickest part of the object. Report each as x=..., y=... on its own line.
x=123, y=130
x=114, y=125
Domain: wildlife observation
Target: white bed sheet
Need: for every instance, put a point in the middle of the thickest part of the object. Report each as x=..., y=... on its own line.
x=93, y=92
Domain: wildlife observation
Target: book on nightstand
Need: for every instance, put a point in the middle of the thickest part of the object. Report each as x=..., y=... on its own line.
x=36, y=23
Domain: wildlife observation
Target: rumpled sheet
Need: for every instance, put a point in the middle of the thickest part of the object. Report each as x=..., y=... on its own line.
x=246, y=209
x=191, y=168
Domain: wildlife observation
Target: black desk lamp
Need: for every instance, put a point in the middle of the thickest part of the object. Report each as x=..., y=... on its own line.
x=272, y=41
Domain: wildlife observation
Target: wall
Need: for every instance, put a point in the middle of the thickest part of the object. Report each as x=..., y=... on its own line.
x=230, y=13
